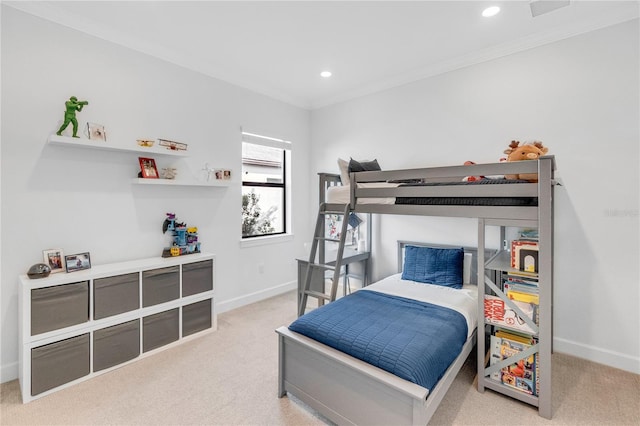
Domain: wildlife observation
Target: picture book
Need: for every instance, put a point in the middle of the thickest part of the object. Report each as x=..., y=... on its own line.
x=529, y=234
x=522, y=288
x=529, y=281
x=521, y=374
x=497, y=312
x=516, y=337
x=526, y=297
x=516, y=247
x=494, y=355
x=528, y=260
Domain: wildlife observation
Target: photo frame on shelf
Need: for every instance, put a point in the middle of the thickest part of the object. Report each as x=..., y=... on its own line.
x=54, y=258
x=96, y=132
x=223, y=174
x=148, y=168
x=77, y=262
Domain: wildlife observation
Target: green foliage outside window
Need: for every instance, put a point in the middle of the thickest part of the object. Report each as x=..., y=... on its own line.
x=254, y=220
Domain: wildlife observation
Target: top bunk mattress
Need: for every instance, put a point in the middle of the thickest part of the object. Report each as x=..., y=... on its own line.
x=342, y=194
x=468, y=201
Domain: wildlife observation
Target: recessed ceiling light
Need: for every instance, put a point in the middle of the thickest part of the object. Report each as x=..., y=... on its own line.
x=490, y=11
x=325, y=74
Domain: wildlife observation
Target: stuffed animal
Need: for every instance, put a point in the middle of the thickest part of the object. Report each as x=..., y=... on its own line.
x=471, y=178
x=477, y=178
x=528, y=151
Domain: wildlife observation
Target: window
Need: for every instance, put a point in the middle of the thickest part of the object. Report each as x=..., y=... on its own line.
x=265, y=165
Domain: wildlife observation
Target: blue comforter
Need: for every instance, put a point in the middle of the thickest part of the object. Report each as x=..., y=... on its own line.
x=414, y=340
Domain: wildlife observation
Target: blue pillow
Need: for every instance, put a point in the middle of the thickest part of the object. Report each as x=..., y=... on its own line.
x=433, y=265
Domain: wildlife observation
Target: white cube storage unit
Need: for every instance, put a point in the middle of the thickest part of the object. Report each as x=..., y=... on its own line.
x=74, y=326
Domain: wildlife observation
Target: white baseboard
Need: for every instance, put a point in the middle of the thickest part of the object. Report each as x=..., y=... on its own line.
x=9, y=372
x=238, y=302
x=599, y=355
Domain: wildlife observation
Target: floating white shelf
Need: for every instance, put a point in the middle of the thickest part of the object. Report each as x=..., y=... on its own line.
x=134, y=148
x=110, y=146
x=177, y=182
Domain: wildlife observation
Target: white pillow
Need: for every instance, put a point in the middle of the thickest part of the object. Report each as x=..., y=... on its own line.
x=466, y=268
x=344, y=171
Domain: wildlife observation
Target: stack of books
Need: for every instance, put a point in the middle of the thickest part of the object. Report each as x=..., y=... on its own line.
x=513, y=312
x=522, y=374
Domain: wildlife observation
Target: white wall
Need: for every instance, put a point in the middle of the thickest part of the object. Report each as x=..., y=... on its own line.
x=580, y=97
x=82, y=200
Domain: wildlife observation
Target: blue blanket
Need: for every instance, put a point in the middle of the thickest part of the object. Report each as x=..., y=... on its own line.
x=414, y=340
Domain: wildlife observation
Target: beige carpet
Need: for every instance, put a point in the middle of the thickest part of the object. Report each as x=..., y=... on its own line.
x=230, y=378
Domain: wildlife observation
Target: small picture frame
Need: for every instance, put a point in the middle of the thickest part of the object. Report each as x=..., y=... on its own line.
x=77, y=262
x=222, y=174
x=54, y=258
x=96, y=132
x=148, y=168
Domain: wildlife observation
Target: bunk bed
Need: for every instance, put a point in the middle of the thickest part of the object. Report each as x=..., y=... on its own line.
x=350, y=391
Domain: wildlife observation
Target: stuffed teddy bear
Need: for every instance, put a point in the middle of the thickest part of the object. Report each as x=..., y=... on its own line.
x=527, y=151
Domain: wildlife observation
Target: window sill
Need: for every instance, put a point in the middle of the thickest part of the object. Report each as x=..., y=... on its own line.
x=263, y=241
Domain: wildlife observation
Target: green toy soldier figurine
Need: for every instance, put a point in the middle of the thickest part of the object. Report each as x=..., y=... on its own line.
x=72, y=105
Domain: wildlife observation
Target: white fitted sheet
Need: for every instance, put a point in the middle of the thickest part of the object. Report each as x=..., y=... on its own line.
x=341, y=194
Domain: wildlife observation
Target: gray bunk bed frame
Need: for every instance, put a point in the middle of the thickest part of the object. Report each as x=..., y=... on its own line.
x=349, y=391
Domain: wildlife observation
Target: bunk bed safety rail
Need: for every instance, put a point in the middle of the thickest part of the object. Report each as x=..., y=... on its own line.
x=451, y=173
x=440, y=191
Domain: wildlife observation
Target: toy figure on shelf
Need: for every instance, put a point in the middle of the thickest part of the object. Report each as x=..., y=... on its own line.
x=71, y=106
x=185, y=240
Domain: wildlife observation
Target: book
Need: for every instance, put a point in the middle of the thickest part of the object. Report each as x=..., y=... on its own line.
x=523, y=274
x=518, y=279
x=522, y=288
x=528, y=260
x=516, y=337
x=495, y=356
x=529, y=234
x=521, y=374
x=497, y=312
x=526, y=297
x=516, y=246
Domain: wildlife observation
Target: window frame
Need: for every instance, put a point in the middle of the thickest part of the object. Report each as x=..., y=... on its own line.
x=285, y=146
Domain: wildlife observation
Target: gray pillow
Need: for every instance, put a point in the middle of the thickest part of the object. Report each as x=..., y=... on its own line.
x=363, y=166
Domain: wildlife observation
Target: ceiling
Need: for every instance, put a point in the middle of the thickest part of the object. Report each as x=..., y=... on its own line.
x=280, y=48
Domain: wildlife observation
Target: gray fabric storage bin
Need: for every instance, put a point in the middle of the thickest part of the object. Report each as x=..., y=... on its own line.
x=59, y=306
x=197, y=277
x=196, y=317
x=115, y=345
x=160, y=329
x=116, y=295
x=160, y=285
x=58, y=363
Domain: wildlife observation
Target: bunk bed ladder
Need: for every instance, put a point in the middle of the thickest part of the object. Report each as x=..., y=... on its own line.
x=319, y=238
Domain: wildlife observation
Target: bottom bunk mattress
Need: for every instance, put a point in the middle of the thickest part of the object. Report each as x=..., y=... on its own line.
x=412, y=330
